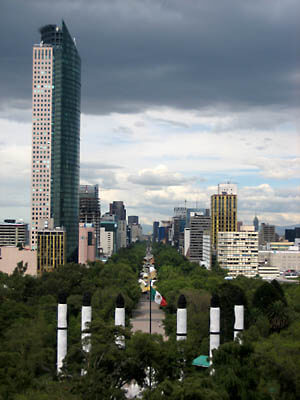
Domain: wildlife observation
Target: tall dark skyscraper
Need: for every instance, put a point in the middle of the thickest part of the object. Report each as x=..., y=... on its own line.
x=56, y=89
x=256, y=224
x=133, y=219
x=155, y=231
x=89, y=208
x=117, y=208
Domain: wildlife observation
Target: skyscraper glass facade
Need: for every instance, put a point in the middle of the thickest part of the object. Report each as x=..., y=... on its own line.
x=63, y=100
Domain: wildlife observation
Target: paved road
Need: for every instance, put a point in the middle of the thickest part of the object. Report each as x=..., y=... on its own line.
x=140, y=319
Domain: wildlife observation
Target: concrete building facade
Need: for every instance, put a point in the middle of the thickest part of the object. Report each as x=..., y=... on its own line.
x=206, y=252
x=89, y=208
x=237, y=252
x=13, y=232
x=107, y=242
x=136, y=233
x=198, y=224
x=266, y=234
x=87, y=243
x=187, y=237
x=108, y=235
x=133, y=219
x=118, y=208
x=281, y=260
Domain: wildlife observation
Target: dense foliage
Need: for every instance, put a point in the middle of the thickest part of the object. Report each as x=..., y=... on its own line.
x=266, y=366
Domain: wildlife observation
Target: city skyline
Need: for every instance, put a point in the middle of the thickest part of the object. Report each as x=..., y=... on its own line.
x=171, y=106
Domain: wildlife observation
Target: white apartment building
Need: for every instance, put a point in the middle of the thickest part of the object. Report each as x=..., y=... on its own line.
x=107, y=242
x=206, y=252
x=237, y=252
x=187, y=236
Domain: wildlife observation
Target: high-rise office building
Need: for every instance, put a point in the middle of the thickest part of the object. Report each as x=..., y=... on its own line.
x=89, y=208
x=256, y=223
x=292, y=234
x=237, y=252
x=198, y=224
x=12, y=233
x=117, y=208
x=56, y=91
x=155, y=231
x=267, y=234
x=223, y=211
x=133, y=219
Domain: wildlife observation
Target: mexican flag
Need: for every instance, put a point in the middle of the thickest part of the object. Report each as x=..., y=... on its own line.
x=157, y=297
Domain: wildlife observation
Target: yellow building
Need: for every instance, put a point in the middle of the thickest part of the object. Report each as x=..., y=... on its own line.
x=51, y=246
x=223, y=215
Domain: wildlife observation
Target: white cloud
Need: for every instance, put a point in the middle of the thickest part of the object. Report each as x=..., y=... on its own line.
x=279, y=168
x=156, y=160
x=159, y=176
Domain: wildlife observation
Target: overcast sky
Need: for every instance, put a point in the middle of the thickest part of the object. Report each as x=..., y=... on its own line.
x=177, y=96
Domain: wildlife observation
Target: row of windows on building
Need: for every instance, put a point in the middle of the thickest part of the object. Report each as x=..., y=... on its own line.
x=42, y=54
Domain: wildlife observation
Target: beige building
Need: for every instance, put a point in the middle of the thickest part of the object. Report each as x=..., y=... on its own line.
x=282, y=260
x=10, y=256
x=237, y=252
x=87, y=243
x=107, y=240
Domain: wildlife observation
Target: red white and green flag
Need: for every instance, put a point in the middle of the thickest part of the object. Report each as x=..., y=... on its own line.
x=157, y=297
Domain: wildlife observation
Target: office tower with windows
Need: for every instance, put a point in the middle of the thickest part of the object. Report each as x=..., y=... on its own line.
x=13, y=233
x=223, y=211
x=237, y=252
x=56, y=91
x=89, y=208
x=267, y=234
x=133, y=219
x=51, y=246
x=256, y=223
x=117, y=208
x=198, y=224
x=155, y=231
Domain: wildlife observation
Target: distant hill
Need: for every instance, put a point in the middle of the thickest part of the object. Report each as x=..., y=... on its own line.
x=281, y=229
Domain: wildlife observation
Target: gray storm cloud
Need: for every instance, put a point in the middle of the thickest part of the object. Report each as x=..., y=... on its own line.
x=137, y=54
